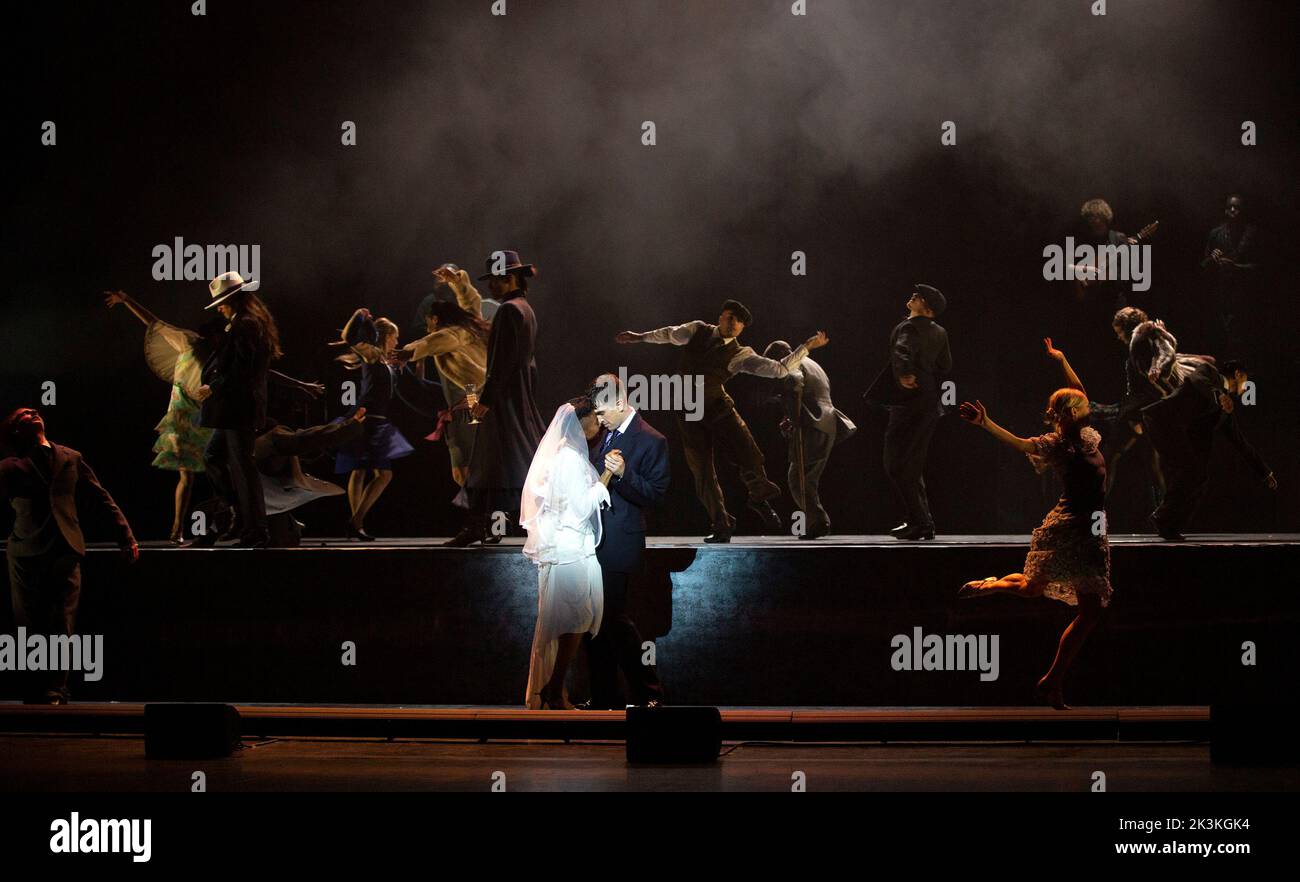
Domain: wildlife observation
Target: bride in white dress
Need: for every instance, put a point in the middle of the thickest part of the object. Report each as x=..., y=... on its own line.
x=560, y=509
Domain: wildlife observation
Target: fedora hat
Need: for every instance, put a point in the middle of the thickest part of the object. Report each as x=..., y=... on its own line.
x=226, y=285
x=513, y=264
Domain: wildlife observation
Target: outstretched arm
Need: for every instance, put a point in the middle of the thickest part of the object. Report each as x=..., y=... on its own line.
x=113, y=298
x=976, y=415
x=1071, y=378
x=749, y=362
x=677, y=335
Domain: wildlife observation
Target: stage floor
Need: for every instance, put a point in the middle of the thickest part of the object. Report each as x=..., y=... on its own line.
x=118, y=764
x=785, y=724
x=745, y=542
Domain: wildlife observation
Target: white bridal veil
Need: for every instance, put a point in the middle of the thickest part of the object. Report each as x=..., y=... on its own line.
x=563, y=493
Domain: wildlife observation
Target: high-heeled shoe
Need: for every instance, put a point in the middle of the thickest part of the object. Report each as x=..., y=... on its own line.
x=549, y=701
x=356, y=533
x=974, y=588
x=1050, y=695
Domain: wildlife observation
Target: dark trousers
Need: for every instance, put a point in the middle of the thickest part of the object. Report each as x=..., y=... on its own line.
x=1185, y=459
x=45, y=590
x=728, y=434
x=618, y=645
x=816, y=453
x=233, y=473
x=907, y=441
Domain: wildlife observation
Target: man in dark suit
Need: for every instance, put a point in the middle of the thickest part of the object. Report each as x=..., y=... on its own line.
x=909, y=388
x=512, y=427
x=46, y=546
x=637, y=458
x=233, y=402
x=812, y=425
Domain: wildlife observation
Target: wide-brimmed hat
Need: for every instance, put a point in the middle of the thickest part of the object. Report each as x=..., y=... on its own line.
x=227, y=285
x=513, y=265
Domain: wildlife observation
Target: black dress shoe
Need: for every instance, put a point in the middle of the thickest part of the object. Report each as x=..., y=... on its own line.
x=492, y=539
x=254, y=540
x=901, y=528
x=589, y=705
x=913, y=534
x=1169, y=534
x=817, y=532
x=767, y=514
x=466, y=537
x=717, y=537
x=360, y=535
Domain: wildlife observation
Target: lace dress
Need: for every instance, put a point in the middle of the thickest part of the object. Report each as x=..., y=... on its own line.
x=562, y=542
x=1069, y=554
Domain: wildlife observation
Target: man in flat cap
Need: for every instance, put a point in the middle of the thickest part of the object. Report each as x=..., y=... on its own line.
x=714, y=351
x=909, y=388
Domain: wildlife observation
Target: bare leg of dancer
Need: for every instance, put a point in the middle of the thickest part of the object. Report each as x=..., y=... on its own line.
x=356, y=490
x=553, y=692
x=370, y=495
x=1072, y=640
x=184, y=488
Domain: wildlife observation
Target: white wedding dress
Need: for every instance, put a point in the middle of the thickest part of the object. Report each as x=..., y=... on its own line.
x=560, y=509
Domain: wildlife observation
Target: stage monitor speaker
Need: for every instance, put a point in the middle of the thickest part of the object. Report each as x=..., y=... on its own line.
x=1254, y=734
x=190, y=731
x=676, y=735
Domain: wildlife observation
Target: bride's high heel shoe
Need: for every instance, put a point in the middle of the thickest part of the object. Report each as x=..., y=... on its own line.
x=549, y=701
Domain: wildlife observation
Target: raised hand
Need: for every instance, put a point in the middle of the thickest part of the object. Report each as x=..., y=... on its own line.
x=816, y=341
x=1052, y=351
x=627, y=337
x=448, y=276
x=113, y=298
x=614, y=462
x=975, y=414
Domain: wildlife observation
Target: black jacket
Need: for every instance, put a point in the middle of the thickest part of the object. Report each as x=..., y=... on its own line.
x=236, y=373
x=45, y=503
x=642, y=485
x=917, y=346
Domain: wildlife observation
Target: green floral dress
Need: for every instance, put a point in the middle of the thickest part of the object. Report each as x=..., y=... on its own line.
x=181, y=440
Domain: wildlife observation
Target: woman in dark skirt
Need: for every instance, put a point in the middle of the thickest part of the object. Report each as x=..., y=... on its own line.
x=368, y=461
x=1069, y=556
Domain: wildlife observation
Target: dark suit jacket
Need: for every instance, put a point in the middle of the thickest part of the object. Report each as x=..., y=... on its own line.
x=46, y=506
x=236, y=372
x=917, y=346
x=643, y=484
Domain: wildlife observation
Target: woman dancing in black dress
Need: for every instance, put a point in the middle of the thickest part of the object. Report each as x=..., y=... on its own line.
x=1069, y=555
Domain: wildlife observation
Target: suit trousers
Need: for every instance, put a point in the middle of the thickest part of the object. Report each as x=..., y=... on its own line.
x=233, y=472
x=816, y=453
x=618, y=645
x=1185, y=458
x=45, y=589
x=907, y=441
x=730, y=435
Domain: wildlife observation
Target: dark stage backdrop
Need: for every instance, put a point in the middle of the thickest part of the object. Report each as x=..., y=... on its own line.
x=775, y=133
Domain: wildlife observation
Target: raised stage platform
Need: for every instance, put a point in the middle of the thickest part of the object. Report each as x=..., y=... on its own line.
x=758, y=623
x=794, y=724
